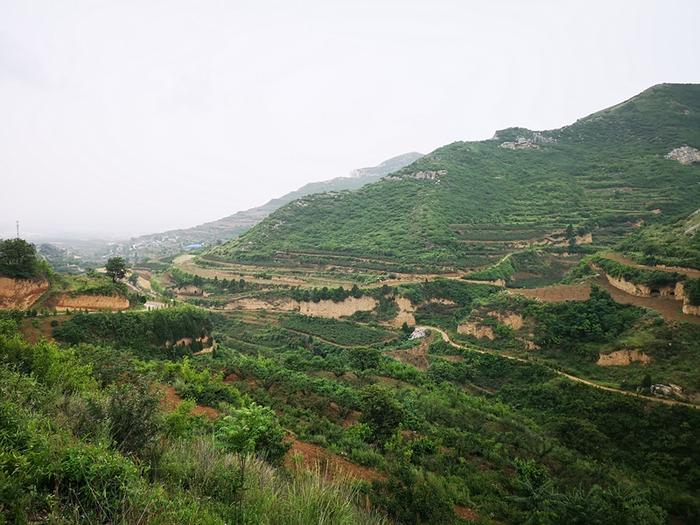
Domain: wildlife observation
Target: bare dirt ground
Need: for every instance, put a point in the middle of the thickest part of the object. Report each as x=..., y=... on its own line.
x=405, y=315
x=62, y=302
x=416, y=356
x=555, y=294
x=44, y=330
x=669, y=308
x=311, y=457
x=466, y=513
x=172, y=400
x=623, y=358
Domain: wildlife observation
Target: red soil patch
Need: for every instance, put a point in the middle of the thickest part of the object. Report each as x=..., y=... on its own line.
x=231, y=378
x=172, y=400
x=44, y=329
x=466, y=513
x=310, y=457
x=416, y=356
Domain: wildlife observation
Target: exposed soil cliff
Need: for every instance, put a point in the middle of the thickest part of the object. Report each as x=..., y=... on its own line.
x=476, y=330
x=405, y=315
x=62, y=302
x=623, y=358
x=676, y=292
x=20, y=294
x=325, y=308
x=640, y=290
x=510, y=319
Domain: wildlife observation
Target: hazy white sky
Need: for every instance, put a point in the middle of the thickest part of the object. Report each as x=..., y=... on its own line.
x=119, y=118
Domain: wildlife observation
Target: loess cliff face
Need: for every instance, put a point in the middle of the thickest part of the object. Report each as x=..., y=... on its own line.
x=20, y=294
x=63, y=302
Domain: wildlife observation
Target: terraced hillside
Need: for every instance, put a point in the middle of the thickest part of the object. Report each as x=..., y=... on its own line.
x=174, y=241
x=469, y=203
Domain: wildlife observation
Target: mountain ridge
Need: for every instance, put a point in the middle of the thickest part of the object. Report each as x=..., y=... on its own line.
x=605, y=171
x=174, y=241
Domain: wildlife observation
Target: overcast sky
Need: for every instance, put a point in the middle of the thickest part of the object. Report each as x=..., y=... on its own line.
x=129, y=117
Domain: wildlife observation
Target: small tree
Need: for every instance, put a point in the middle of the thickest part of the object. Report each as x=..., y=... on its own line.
x=133, y=414
x=116, y=268
x=381, y=412
x=252, y=430
x=364, y=358
x=18, y=259
x=570, y=235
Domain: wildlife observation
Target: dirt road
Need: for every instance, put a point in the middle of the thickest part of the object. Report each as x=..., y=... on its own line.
x=446, y=338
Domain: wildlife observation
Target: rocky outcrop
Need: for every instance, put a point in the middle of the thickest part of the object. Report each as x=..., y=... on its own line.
x=20, y=294
x=677, y=292
x=685, y=155
x=623, y=358
x=433, y=175
x=63, y=302
x=669, y=391
x=520, y=143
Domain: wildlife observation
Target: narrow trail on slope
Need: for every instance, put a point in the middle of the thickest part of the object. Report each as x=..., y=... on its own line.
x=446, y=338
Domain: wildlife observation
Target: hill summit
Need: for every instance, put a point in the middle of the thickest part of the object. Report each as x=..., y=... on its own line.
x=468, y=203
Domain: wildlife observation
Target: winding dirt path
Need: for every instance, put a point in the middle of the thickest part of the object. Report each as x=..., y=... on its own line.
x=576, y=379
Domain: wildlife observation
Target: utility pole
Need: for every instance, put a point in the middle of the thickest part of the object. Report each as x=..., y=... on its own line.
x=17, y=229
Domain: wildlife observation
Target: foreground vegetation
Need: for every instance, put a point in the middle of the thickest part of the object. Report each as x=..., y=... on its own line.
x=85, y=437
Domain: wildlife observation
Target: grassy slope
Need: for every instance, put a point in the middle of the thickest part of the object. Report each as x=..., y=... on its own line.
x=603, y=172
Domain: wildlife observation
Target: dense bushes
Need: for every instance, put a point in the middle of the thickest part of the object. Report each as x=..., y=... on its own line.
x=573, y=322
x=335, y=331
x=462, y=294
x=216, y=285
x=692, y=291
x=72, y=451
x=135, y=329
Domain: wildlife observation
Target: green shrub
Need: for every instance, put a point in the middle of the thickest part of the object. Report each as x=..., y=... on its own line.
x=252, y=430
x=134, y=417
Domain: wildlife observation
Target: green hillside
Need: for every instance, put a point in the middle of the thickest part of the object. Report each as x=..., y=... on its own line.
x=468, y=203
x=174, y=241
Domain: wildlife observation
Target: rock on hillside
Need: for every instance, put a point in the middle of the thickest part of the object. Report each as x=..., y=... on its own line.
x=684, y=155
